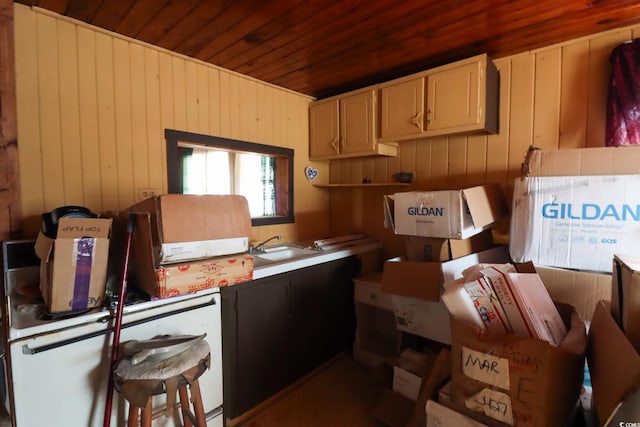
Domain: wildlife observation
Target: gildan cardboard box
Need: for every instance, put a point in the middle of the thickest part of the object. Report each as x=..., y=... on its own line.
x=438, y=249
x=625, y=296
x=416, y=288
x=515, y=380
x=73, y=268
x=449, y=214
x=576, y=208
x=614, y=365
x=188, y=227
x=165, y=280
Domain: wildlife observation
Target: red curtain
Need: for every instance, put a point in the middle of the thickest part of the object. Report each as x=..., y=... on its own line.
x=623, y=103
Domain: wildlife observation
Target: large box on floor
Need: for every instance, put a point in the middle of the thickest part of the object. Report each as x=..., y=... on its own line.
x=449, y=214
x=73, y=268
x=186, y=227
x=574, y=208
x=614, y=366
x=505, y=379
x=174, y=279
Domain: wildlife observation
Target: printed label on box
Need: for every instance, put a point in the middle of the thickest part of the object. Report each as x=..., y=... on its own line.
x=486, y=368
x=494, y=404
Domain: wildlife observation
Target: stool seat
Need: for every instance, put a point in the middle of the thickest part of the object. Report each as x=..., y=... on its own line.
x=138, y=383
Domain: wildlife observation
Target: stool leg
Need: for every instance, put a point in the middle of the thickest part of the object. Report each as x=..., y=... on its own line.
x=147, y=412
x=184, y=406
x=134, y=412
x=197, y=404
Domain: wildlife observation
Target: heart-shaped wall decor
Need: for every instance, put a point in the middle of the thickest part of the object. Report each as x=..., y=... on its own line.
x=310, y=173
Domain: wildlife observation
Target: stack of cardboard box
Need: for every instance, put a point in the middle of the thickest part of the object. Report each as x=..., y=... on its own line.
x=186, y=243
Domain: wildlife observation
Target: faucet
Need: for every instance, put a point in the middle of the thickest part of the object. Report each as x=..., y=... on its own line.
x=260, y=246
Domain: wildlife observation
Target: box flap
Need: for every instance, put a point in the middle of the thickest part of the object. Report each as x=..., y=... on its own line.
x=84, y=227
x=622, y=160
x=613, y=363
x=388, y=206
x=486, y=204
x=43, y=246
x=414, y=279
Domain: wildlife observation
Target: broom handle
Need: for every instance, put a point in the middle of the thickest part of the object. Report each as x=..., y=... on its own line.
x=118, y=320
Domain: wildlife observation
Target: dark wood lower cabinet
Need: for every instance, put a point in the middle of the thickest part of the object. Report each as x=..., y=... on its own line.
x=277, y=329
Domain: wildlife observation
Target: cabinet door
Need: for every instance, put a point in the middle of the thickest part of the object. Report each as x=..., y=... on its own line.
x=358, y=123
x=323, y=129
x=453, y=98
x=263, y=351
x=402, y=108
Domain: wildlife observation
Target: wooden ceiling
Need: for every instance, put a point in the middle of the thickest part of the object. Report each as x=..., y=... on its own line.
x=325, y=47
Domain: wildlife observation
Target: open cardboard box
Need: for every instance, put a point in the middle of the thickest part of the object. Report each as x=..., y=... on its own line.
x=506, y=379
x=186, y=227
x=73, y=266
x=449, y=214
x=614, y=365
x=419, y=248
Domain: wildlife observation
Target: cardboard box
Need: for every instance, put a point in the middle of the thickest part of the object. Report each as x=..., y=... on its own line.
x=581, y=289
x=437, y=249
x=167, y=280
x=514, y=380
x=441, y=416
x=623, y=160
x=188, y=227
x=408, y=370
x=576, y=222
x=625, y=296
x=614, y=366
x=423, y=280
x=449, y=214
x=416, y=288
x=73, y=268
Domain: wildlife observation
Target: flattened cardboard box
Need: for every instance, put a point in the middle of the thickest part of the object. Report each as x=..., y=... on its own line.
x=168, y=280
x=449, y=214
x=504, y=379
x=625, y=296
x=73, y=267
x=575, y=222
x=186, y=227
x=614, y=366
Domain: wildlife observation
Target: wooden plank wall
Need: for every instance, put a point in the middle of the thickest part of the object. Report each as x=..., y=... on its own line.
x=93, y=106
x=552, y=98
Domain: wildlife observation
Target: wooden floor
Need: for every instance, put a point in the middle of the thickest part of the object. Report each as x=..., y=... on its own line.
x=342, y=393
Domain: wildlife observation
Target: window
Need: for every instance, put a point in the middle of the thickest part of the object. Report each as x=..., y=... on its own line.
x=201, y=164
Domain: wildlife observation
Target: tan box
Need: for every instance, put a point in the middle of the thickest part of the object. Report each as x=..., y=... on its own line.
x=449, y=214
x=614, y=366
x=515, y=380
x=408, y=370
x=186, y=227
x=174, y=279
x=73, y=268
x=623, y=160
x=438, y=249
x=423, y=280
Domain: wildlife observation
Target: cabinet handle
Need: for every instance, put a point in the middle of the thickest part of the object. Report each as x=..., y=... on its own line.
x=334, y=145
x=417, y=120
x=428, y=116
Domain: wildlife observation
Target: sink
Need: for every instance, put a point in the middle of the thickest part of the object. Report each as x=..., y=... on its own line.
x=281, y=253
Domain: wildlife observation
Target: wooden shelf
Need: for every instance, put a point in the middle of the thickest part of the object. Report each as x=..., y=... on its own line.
x=372, y=184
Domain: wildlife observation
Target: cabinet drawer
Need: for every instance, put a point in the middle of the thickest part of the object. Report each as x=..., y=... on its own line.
x=372, y=295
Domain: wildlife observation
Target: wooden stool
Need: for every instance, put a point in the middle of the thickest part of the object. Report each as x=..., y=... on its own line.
x=177, y=374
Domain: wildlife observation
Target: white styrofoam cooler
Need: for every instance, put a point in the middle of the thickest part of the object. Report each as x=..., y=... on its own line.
x=575, y=222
